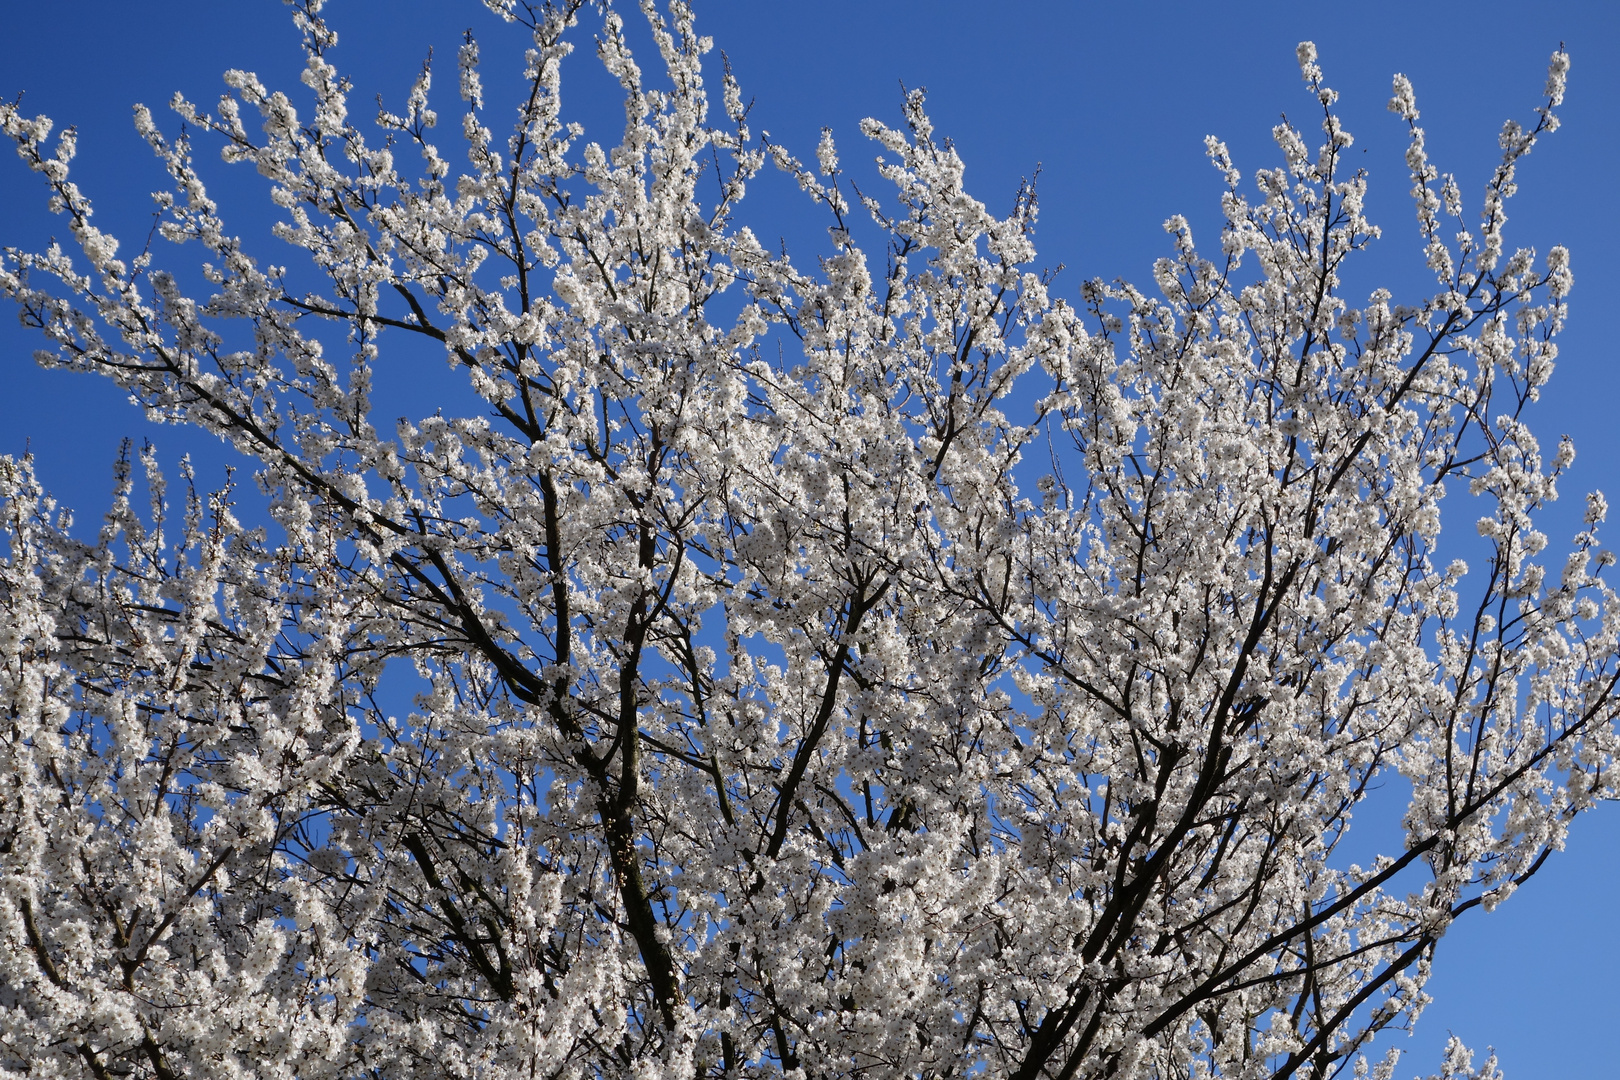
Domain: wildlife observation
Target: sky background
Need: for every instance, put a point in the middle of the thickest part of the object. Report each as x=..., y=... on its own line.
x=1112, y=102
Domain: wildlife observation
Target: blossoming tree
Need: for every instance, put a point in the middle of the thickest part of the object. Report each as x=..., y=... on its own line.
x=878, y=666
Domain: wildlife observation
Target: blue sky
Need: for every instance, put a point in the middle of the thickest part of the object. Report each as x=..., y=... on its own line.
x=1112, y=101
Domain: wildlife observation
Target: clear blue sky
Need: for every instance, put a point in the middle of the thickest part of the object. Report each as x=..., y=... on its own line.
x=1113, y=101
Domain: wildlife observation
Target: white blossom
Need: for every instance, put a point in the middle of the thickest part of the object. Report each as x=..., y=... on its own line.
x=874, y=662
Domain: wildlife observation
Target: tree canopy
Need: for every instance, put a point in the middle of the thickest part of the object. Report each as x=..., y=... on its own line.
x=870, y=662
